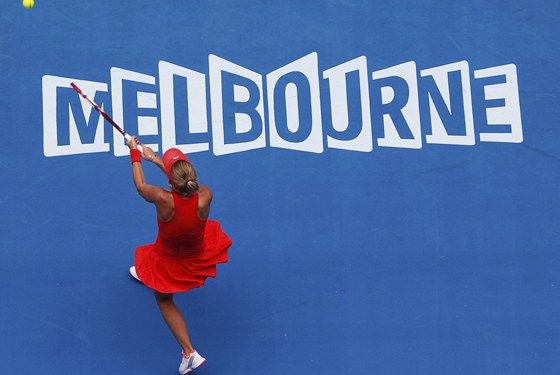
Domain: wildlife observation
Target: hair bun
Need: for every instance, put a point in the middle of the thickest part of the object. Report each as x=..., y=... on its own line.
x=184, y=178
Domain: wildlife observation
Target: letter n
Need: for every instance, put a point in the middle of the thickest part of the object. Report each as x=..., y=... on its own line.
x=451, y=115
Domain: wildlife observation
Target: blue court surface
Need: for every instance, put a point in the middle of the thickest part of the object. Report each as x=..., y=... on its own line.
x=388, y=172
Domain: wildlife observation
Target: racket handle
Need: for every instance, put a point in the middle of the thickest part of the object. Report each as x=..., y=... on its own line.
x=127, y=137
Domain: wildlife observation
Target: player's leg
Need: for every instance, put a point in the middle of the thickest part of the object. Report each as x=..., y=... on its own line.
x=174, y=320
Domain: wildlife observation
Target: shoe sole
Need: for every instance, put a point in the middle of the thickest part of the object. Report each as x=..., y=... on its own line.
x=190, y=370
x=133, y=274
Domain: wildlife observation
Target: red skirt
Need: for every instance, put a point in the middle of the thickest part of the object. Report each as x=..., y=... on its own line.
x=172, y=274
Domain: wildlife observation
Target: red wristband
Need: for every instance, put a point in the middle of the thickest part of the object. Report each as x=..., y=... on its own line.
x=135, y=156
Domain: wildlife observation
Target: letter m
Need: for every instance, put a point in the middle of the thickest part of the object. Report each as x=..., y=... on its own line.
x=70, y=124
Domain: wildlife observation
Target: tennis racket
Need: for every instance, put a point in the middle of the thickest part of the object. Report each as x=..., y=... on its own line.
x=126, y=136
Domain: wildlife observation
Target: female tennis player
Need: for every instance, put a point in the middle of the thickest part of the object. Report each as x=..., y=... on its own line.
x=188, y=245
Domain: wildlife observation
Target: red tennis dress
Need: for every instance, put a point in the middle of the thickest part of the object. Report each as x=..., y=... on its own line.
x=186, y=250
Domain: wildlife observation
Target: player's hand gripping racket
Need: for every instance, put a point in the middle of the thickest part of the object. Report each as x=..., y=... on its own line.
x=106, y=116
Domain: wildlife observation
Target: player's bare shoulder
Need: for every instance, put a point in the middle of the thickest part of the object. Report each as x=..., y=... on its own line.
x=204, y=199
x=204, y=195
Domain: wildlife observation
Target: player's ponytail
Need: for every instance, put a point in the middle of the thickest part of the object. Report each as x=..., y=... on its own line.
x=183, y=177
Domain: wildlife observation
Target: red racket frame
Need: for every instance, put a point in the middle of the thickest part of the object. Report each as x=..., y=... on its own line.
x=105, y=115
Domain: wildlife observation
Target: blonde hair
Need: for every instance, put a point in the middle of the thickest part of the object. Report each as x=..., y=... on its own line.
x=183, y=178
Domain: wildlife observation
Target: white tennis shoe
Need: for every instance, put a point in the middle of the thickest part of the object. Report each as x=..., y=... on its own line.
x=190, y=362
x=133, y=273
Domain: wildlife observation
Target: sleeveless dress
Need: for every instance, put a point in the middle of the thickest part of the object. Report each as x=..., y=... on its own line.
x=186, y=250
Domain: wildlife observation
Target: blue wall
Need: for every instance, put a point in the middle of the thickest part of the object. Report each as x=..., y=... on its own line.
x=388, y=173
